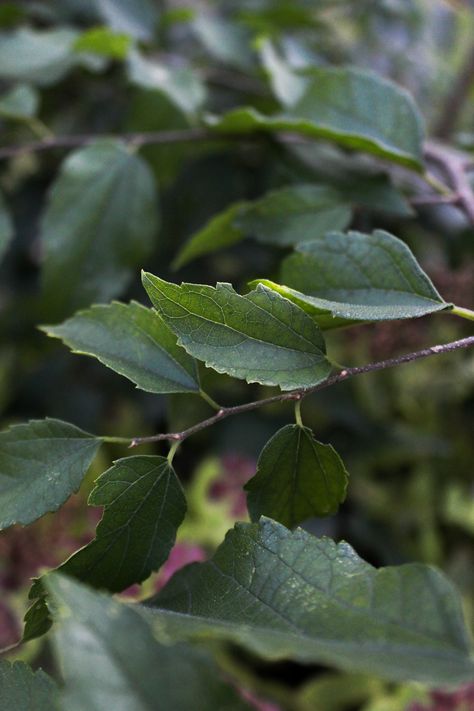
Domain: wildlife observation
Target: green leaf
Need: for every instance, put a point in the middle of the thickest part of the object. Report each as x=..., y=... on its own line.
x=220, y=232
x=111, y=659
x=354, y=109
x=292, y=214
x=133, y=341
x=36, y=56
x=99, y=225
x=136, y=18
x=297, y=213
x=19, y=103
x=144, y=507
x=297, y=478
x=286, y=595
x=226, y=41
x=6, y=227
x=41, y=464
x=104, y=42
x=259, y=337
x=356, y=276
x=22, y=689
x=180, y=85
x=286, y=84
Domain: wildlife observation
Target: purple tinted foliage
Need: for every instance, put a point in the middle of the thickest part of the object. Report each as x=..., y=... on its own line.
x=236, y=471
x=461, y=699
x=181, y=554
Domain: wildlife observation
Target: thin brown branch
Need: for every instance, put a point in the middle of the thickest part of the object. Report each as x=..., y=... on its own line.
x=454, y=166
x=188, y=135
x=338, y=377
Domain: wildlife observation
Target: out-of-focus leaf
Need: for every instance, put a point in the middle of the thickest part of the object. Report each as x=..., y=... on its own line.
x=297, y=478
x=98, y=226
x=19, y=103
x=259, y=337
x=136, y=18
x=226, y=41
x=220, y=232
x=22, y=689
x=42, y=463
x=287, y=86
x=105, y=42
x=111, y=659
x=36, y=56
x=286, y=595
x=144, y=506
x=135, y=342
x=294, y=214
x=182, y=86
x=351, y=108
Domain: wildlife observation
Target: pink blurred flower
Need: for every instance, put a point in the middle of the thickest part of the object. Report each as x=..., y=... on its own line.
x=236, y=471
x=181, y=554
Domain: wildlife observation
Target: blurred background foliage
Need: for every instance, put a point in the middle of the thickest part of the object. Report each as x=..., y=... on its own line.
x=99, y=67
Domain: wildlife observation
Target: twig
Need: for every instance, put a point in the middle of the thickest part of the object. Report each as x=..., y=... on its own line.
x=187, y=135
x=297, y=395
x=453, y=164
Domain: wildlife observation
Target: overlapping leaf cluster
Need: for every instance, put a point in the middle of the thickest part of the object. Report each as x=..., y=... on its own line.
x=271, y=588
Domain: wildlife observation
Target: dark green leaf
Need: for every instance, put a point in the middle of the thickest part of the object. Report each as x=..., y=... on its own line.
x=297, y=213
x=19, y=103
x=136, y=18
x=111, y=659
x=41, y=464
x=36, y=56
x=361, y=277
x=22, y=689
x=259, y=337
x=133, y=341
x=99, y=225
x=144, y=507
x=37, y=618
x=289, y=595
x=352, y=108
x=297, y=478
x=220, y=232
x=6, y=227
x=180, y=85
x=104, y=42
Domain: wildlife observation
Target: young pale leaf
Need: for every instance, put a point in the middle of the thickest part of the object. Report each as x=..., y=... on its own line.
x=6, y=227
x=135, y=342
x=286, y=595
x=144, y=507
x=360, y=277
x=354, y=109
x=22, y=689
x=286, y=84
x=220, y=232
x=37, y=57
x=259, y=337
x=41, y=464
x=104, y=42
x=136, y=18
x=111, y=659
x=99, y=224
x=19, y=103
x=180, y=85
x=297, y=478
x=297, y=213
